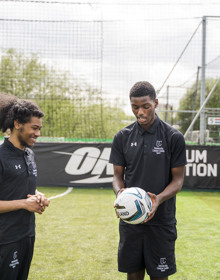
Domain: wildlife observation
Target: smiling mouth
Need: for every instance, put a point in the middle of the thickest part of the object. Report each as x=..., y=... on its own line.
x=34, y=139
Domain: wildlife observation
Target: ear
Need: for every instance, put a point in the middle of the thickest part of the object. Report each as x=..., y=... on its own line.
x=17, y=125
x=156, y=102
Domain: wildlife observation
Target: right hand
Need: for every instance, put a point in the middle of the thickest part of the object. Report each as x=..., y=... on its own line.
x=32, y=205
x=41, y=199
x=121, y=190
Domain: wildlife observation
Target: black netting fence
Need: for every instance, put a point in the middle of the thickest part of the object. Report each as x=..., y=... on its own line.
x=78, y=61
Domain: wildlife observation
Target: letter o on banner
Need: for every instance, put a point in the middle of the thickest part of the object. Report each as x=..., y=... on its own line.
x=82, y=161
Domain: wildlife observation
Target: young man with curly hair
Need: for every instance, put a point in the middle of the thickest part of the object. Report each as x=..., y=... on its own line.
x=19, y=199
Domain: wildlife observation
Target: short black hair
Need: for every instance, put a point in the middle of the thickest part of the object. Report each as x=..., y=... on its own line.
x=143, y=88
x=12, y=108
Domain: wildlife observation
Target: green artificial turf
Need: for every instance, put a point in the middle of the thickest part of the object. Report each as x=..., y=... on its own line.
x=77, y=236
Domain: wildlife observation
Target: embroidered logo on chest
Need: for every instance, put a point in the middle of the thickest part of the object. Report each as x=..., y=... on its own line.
x=17, y=166
x=133, y=144
x=158, y=149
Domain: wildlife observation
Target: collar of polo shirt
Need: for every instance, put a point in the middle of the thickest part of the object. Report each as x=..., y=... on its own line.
x=151, y=130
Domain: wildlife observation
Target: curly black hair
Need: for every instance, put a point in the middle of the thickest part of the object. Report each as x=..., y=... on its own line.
x=12, y=108
x=143, y=88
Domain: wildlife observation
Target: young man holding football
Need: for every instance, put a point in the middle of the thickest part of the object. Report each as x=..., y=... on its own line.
x=149, y=154
x=19, y=198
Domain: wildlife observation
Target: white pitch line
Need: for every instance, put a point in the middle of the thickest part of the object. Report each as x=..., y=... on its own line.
x=62, y=194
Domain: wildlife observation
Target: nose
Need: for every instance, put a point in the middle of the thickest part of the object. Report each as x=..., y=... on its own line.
x=140, y=112
x=37, y=133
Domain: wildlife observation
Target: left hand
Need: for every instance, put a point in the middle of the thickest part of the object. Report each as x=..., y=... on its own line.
x=41, y=199
x=155, y=204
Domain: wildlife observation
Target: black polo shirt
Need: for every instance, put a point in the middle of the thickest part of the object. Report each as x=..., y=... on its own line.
x=148, y=157
x=18, y=175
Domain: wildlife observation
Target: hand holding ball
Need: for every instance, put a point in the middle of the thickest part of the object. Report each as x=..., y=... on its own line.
x=133, y=205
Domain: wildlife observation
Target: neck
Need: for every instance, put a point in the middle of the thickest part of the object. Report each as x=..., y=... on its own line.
x=148, y=126
x=14, y=140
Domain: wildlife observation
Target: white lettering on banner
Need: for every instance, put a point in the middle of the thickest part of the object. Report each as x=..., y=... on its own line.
x=197, y=168
x=93, y=180
x=196, y=156
x=82, y=161
x=102, y=163
x=201, y=169
x=93, y=162
x=88, y=160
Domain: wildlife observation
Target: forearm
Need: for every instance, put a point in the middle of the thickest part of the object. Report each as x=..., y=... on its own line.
x=118, y=179
x=174, y=186
x=170, y=191
x=118, y=184
x=13, y=205
x=30, y=204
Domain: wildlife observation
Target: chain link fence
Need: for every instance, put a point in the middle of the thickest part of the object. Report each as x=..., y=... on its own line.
x=78, y=61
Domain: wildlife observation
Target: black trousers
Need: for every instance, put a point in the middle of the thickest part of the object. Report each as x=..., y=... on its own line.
x=15, y=259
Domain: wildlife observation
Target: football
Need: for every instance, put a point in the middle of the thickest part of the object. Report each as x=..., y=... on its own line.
x=133, y=205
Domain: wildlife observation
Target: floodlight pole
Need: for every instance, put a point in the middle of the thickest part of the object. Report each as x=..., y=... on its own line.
x=202, y=107
x=195, y=97
x=202, y=94
x=167, y=108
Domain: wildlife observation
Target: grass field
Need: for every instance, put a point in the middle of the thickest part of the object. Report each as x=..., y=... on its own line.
x=77, y=237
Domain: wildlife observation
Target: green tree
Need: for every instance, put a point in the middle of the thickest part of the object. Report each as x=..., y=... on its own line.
x=191, y=100
x=72, y=109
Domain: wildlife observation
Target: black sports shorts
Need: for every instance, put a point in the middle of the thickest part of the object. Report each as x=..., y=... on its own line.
x=15, y=259
x=150, y=247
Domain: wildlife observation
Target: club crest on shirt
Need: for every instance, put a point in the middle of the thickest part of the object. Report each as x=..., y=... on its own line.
x=158, y=149
x=158, y=143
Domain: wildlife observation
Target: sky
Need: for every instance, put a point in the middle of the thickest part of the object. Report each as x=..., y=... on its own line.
x=140, y=40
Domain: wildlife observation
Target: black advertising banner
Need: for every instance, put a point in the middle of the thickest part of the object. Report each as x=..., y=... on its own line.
x=203, y=167
x=86, y=165
x=74, y=164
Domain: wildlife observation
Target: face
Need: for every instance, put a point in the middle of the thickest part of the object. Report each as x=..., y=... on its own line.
x=144, y=110
x=28, y=133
